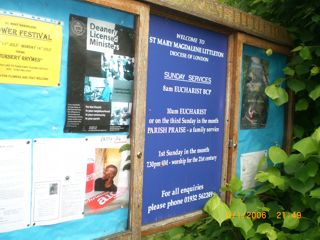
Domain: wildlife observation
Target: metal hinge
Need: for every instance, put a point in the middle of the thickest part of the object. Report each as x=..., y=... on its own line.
x=232, y=144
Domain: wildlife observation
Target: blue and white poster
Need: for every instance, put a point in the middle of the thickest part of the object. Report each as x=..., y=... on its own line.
x=184, y=118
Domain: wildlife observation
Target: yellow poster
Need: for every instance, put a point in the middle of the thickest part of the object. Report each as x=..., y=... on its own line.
x=30, y=51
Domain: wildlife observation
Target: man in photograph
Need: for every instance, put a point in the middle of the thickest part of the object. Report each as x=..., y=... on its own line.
x=106, y=92
x=106, y=183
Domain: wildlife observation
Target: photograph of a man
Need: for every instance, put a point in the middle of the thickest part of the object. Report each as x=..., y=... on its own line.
x=106, y=92
x=106, y=183
x=97, y=89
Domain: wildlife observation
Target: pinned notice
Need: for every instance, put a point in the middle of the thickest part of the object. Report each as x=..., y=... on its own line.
x=30, y=51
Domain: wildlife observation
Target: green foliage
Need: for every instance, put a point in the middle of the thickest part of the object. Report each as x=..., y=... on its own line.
x=266, y=228
x=277, y=94
x=306, y=146
x=217, y=209
x=125, y=147
x=277, y=155
x=296, y=85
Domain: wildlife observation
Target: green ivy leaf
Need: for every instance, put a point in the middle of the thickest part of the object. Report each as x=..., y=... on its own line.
x=278, y=81
x=314, y=71
x=217, y=209
x=298, y=131
x=312, y=168
x=295, y=60
x=288, y=71
x=296, y=49
x=176, y=233
x=272, y=91
x=274, y=208
x=293, y=163
x=306, y=146
x=290, y=221
x=266, y=228
x=187, y=237
x=302, y=69
x=316, y=120
x=283, y=97
x=315, y=193
x=316, y=135
x=254, y=204
x=235, y=184
x=125, y=147
x=238, y=207
x=314, y=204
x=273, y=176
x=264, y=176
x=283, y=236
x=277, y=155
x=126, y=167
x=277, y=181
x=301, y=105
x=296, y=85
x=262, y=165
x=224, y=189
x=243, y=223
x=305, y=53
x=263, y=188
x=269, y=52
x=316, y=18
x=305, y=172
x=301, y=187
x=315, y=93
x=277, y=94
x=251, y=234
x=297, y=202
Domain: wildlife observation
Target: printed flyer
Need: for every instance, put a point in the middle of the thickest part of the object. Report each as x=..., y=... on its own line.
x=100, y=76
x=30, y=51
x=108, y=173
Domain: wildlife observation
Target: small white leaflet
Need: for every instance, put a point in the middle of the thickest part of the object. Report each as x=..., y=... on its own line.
x=249, y=164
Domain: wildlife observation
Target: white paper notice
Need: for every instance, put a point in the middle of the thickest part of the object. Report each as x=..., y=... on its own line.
x=59, y=177
x=15, y=184
x=249, y=165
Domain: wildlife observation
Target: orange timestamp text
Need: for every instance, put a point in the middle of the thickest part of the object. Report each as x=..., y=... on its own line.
x=263, y=215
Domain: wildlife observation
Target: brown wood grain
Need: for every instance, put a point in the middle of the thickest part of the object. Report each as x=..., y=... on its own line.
x=138, y=121
x=130, y=6
x=226, y=163
x=167, y=224
x=228, y=17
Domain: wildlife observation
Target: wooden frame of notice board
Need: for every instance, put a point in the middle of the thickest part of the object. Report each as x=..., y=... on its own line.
x=141, y=12
x=228, y=22
x=210, y=16
x=242, y=39
x=234, y=24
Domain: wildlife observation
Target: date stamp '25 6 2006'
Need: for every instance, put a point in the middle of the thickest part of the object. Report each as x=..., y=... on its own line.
x=264, y=215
